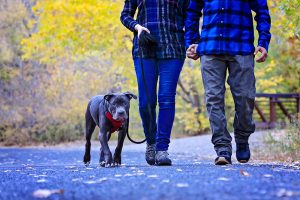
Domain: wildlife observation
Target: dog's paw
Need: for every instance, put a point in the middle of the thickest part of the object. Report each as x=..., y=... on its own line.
x=87, y=163
x=86, y=159
x=106, y=164
x=117, y=160
x=102, y=164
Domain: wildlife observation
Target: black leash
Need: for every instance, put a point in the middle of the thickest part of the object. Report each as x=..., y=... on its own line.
x=148, y=43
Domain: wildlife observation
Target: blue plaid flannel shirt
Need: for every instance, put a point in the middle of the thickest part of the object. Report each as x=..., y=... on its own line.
x=165, y=20
x=227, y=26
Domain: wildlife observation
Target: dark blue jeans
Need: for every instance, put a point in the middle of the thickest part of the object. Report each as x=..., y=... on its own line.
x=167, y=71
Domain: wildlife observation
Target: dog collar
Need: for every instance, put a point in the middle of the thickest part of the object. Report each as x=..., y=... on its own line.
x=115, y=123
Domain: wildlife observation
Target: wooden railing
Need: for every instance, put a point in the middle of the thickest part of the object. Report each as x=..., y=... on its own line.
x=274, y=110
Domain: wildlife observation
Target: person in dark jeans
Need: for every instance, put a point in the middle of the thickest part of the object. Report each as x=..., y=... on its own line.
x=164, y=20
x=226, y=43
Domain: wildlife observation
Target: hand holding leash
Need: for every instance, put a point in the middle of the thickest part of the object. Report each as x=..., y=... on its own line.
x=140, y=29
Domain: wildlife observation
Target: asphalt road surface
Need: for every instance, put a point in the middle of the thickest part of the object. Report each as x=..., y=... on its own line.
x=24, y=171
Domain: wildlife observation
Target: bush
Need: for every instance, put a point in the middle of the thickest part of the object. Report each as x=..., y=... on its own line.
x=286, y=145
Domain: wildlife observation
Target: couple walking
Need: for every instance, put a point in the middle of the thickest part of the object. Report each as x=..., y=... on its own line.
x=225, y=44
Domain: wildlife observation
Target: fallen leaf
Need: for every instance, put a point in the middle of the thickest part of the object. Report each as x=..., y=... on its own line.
x=102, y=179
x=223, y=179
x=41, y=181
x=30, y=168
x=128, y=174
x=268, y=175
x=152, y=176
x=44, y=193
x=244, y=173
x=70, y=167
x=287, y=193
x=90, y=182
x=182, y=185
x=227, y=169
x=197, y=163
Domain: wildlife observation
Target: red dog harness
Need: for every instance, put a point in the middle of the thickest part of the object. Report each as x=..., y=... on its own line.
x=115, y=123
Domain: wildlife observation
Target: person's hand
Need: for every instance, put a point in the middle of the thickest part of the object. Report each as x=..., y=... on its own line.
x=263, y=56
x=140, y=29
x=191, y=52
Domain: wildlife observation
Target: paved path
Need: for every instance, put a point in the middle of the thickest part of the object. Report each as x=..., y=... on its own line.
x=193, y=176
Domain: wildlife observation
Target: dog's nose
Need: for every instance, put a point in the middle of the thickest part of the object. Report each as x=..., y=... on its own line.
x=121, y=112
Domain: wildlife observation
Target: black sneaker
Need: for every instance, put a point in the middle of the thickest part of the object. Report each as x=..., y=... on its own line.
x=243, y=152
x=150, y=154
x=162, y=158
x=224, y=158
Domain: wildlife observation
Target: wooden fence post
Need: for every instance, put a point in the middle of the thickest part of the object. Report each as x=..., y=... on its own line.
x=298, y=104
x=272, y=112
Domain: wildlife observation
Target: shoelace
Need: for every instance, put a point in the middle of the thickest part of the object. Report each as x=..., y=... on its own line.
x=163, y=154
x=150, y=149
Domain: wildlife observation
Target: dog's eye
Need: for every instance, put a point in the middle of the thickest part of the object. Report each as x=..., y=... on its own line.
x=113, y=108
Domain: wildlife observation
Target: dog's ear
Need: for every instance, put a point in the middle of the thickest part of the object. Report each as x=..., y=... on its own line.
x=108, y=96
x=130, y=95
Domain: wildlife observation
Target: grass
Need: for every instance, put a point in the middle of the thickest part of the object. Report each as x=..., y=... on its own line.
x=283, y=145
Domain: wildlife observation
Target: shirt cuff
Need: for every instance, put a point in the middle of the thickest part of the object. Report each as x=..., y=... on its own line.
x=264, y=44
x=188, y=43
x=132, y=25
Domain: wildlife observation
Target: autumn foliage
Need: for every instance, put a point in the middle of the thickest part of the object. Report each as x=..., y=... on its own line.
x=56, y=54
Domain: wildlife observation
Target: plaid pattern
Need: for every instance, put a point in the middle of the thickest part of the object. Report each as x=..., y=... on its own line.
x=227, y=26
x=165, y=20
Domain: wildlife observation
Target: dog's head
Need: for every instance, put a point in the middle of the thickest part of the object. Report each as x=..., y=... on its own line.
x=119, y=104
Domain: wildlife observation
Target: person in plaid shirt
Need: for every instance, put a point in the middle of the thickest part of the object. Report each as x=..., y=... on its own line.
x=226, y=43
x=164, y=19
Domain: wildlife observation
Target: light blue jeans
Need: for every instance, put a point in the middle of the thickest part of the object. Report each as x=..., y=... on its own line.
x=167, y=72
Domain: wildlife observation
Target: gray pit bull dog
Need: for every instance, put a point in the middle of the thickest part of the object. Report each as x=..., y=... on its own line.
x=110, y=113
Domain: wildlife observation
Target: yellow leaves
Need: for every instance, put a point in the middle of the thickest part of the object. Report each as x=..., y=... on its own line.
x=285, y=17
x=75, y=26
x=267, y=81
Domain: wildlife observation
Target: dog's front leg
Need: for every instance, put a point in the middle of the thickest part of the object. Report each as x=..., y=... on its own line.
x=108, y=161
x=118, y=151
x=102, y=159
